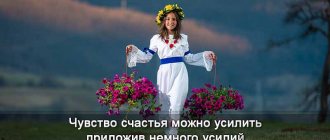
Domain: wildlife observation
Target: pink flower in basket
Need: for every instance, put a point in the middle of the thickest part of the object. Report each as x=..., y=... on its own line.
x=210, y=100
x=137, y=94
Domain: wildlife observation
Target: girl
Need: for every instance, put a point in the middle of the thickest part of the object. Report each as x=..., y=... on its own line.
x=173, y=50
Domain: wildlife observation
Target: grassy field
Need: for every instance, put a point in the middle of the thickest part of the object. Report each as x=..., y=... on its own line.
x=23, y=130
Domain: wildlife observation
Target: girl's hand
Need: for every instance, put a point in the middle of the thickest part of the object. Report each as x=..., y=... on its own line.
x=212, y=57
x=129, y=49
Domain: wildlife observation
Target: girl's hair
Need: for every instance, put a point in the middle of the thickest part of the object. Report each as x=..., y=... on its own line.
x=177, y=30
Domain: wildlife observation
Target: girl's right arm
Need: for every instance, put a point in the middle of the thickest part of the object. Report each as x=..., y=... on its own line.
x=135, y=55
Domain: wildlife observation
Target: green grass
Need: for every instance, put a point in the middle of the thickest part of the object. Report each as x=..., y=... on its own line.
x=23, y=130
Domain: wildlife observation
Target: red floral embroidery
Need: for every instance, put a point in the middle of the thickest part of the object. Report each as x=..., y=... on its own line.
x=172, y=44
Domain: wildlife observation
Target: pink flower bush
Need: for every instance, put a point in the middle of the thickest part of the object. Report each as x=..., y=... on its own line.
x=210, y=100
x=140, y=94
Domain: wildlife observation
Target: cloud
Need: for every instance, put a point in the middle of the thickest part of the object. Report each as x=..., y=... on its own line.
x=81, y=17
x=221, y=40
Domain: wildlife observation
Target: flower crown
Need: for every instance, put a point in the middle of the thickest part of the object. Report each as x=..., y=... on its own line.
x=167, y=9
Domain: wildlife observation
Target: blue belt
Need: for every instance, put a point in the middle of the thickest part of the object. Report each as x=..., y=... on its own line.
x=171, y=60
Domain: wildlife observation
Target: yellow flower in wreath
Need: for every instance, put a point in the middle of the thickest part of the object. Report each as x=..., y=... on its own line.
x=168, y=7
x=161, y=12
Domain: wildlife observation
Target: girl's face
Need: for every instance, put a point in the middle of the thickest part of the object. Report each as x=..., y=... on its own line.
x=170, y=21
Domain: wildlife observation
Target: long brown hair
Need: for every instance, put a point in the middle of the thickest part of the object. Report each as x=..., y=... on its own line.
x=177, y=30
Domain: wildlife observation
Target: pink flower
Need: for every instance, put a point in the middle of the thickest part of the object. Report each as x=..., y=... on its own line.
x=128, y=80
x=199, y=100
x=110, y=112
x=186, y=104
x=157, y=109
x=116, y=112
x=196, y=90
x=100, y=101
x=134, y=96
x=105, y=80
x=123, y=96
x=222, y=98
x=209, y=100
x=146, y=102
x=102, y=92
x=214, y=88
x=126, y=90
x=116, y=76
x=208, y=85
x=114, y=100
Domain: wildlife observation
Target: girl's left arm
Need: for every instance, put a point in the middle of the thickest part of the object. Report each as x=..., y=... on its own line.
x=202, y=59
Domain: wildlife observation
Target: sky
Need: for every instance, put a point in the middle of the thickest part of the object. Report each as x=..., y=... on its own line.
x=83, y=39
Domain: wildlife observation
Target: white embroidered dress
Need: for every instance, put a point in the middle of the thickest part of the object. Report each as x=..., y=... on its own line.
x=172, y=77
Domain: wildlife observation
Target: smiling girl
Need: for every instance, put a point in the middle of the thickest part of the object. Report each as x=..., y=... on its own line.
x=173, y=50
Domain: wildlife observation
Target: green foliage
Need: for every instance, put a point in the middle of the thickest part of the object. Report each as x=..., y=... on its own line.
x=2, y=81
x=12, y=78
x=49, y=81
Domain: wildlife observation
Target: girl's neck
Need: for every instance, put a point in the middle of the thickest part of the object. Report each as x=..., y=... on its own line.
x=170, y=32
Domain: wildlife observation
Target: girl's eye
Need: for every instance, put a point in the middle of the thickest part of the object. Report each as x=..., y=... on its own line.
x=174, y=19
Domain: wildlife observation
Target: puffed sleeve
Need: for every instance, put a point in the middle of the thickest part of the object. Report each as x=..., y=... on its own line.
x=138, y=56
x=198, y=59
